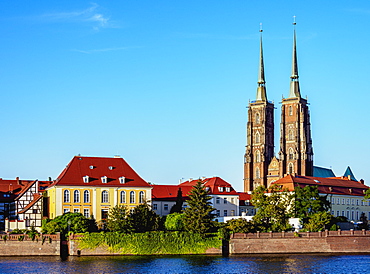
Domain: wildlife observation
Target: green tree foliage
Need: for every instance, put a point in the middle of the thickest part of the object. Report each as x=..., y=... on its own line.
x=307, y=201
x=174, y=221
x=68, y=222
x=240, y=225
x=143, y=219
x=117, y=219
x=177, y=207
x=367, y=194
x=364, y=222
x=274, y=207
x=198, y=215
x=318, y=221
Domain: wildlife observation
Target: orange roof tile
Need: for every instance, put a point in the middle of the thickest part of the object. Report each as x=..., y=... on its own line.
x=214, y=184
x=96, y=168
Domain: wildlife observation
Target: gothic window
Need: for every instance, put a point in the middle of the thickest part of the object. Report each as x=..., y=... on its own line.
x=141, y=197
x=86, y=196
x=132, y=197
x=104, y=196
x=290, y=110
x=123, y=197
x=258, y=175
x=66, y=196
x=258, y=120
x=290, y=135
x=291, y=170
x=76, y=196
x=291, y=154
x=258, y=138
x=258, y=156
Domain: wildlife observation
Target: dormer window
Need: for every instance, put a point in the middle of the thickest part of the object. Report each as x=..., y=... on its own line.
x=246, y=202
x=122, y=180
x=207, y=188
x=91, y=167
x=228, y=189
x=110, y=168
x=104, y=179
x=221, y=189
x=85, y=179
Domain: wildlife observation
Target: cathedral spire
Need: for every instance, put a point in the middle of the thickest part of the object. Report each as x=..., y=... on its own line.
x=294, y=82
x=261, y=89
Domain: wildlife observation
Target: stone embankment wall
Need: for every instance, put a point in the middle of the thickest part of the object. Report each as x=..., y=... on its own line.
x=307, y=242
x=22, y=245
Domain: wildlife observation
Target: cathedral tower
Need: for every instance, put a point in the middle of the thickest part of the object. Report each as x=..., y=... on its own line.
x=260, y=134
x=296, y=153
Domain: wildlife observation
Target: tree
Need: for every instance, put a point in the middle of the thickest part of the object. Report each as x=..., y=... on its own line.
x=367, y=194
x=177, y=207
x=174, y=221
x=117, y=219
x=198, y=215
x=307, y=201
x=364, y=222
x=239, y=225
x=143, y=219
x=68, y=222
x=318, y=221
x=274, y=207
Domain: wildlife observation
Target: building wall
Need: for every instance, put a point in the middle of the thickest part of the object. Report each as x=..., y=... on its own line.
x=95, y=205
x=349, y=206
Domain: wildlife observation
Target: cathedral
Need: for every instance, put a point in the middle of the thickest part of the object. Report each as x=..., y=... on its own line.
x=261, y=165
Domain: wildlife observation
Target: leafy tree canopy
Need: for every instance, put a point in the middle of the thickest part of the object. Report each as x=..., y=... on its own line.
x=274, y=207
x=177, y=207
x=198, y=215
x=174, y=221
x=117, y=219
x=143, y=219
x=68, y=222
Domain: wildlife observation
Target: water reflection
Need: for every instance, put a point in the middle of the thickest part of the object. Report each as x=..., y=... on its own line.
x=189, y=264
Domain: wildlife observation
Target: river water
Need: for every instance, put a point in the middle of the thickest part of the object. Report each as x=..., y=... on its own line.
x=189, y=264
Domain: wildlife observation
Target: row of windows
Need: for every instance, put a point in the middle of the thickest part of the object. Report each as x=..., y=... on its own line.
x=218, y=213
x=349, y=214
x=104, y=196
x=349, y=201
x=86, y=212
x=218, y=200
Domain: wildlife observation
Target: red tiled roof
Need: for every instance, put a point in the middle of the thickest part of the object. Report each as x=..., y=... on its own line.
x=96, y=168
x=243, y=196
x=169, y=192
x=331, y=185
x=213, y=183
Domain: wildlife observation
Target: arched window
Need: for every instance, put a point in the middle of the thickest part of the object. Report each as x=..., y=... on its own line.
x=123, y=197
x=66, y=196
x=258, y=139
x=132, y=197
x=104, y=196
x=290, y=110
x=258, y=174
x=291, y=154
x=86, y=196
x=141, y=197
x=290, y=135
x=258, y=120
x=258, y=156
x=291, y=170
x=76, y=196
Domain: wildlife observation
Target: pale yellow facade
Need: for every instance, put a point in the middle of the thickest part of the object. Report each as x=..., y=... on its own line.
x=94, y=200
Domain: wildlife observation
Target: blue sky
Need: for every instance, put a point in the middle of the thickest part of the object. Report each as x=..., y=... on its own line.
x=165, y=84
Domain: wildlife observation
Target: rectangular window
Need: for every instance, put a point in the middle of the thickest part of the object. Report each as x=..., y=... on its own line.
x=225, y=212
x=34, y=211
x=86, y=212
x=225, y=200
x=348, y=202
x=338, y=201
x=76, y=210
x=333, y=200
x=165, y=207
x=357, y=203
x=347, y=215
x=104, y=214
x=217, y=200
x=332, y=213
x=66, y=210
x=337, y=213
x=232, y=212
x=343, y=213
x=218, y=213
x=353, y=201
x=232, y=200
x=343, y=202
x=155, y=207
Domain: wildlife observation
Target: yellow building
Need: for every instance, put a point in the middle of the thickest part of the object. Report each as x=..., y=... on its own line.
x=92, y=185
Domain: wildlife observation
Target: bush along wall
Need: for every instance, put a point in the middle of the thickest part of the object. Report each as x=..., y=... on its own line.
x=150, y=243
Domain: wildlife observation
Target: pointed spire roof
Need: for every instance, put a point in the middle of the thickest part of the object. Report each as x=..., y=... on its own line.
x=261, y=89
x=349, y=172
x=294, y=82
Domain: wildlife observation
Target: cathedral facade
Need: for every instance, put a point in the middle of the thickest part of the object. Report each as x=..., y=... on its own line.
x=295, y=156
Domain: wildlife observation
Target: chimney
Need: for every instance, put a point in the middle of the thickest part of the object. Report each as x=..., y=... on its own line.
x=362, y=181
x=18, y=181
